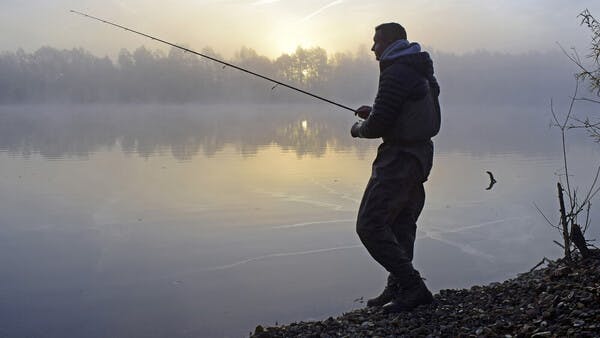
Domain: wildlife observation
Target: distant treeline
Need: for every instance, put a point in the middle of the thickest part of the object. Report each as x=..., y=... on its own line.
x=76, y=75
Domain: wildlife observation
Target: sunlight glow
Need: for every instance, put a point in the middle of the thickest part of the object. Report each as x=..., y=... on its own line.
x=272, y=27
x=289, y=46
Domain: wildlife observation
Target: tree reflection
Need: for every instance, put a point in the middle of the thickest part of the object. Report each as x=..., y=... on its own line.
x=205, y=130
x=184, y=131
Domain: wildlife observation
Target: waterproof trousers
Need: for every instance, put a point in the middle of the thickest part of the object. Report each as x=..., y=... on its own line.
x=388, y=213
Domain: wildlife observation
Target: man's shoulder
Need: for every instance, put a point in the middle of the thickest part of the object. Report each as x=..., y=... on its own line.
x=410, y=63
x=399, y=72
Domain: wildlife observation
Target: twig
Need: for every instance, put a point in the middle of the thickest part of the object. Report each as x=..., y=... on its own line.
x=587, y=217
x=540, y=263
x=584, y=124
x=589, y=194
x=586, y=99
x=554, y=113
x=577, y=62
x=547, y=220
x=594, y=193
x=570, y=111
x=563, y=219
x=579, y=240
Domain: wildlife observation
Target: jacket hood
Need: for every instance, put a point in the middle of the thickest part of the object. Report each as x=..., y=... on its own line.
x=409, y=54
x=399, y=48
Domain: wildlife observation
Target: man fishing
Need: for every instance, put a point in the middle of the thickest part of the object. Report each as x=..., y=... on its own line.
x=406, y=115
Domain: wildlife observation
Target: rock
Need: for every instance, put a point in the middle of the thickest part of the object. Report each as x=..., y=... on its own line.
x=550, y=302
x=259, y=329
x=531, y=313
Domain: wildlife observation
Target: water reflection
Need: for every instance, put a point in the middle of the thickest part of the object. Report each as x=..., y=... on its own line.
x=153, y=212
x=188, y=131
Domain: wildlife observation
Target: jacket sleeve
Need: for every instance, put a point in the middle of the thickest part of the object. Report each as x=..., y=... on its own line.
x=435, y=89
x=393, y=90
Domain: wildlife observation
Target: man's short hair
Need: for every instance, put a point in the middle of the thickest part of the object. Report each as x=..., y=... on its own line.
x=392, y=31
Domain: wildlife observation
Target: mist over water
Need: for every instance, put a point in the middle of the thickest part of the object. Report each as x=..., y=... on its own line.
x=205, y=220
x=189, y=131
x=50, y=75
x=162, y=195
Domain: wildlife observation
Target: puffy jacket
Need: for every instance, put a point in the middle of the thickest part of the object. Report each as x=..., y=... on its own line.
x=406, y=112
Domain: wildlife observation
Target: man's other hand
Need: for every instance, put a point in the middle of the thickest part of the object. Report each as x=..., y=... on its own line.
x=363, y=112
x=355, y=130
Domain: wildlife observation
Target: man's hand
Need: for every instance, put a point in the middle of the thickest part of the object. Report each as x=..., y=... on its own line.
x=363, y=112
x=355, y=130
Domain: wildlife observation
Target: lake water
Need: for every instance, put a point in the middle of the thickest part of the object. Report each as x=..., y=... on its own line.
x=204, y=221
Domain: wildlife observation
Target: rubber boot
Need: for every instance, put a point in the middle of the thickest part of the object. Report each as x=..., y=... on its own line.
x=387, y=295
x=410, y=297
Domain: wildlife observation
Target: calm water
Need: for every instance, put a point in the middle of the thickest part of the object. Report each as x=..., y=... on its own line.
x=204, y=221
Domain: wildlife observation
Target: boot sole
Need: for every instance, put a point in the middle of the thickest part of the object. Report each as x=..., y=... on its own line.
x=396, y=308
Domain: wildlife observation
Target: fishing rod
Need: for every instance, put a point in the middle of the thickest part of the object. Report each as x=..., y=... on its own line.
x=216, y=60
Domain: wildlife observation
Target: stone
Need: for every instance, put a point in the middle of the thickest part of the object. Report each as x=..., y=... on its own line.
x=535, y=304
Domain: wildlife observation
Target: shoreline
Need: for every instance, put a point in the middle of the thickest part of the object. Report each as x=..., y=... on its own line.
x=551, y=301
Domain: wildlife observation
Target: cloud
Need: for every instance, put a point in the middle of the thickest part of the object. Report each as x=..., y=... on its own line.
x=318, y=11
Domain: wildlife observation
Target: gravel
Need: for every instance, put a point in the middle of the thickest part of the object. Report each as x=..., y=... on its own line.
x=554, y=301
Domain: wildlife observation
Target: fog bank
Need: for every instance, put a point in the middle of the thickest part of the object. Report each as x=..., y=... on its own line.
x=152, y=76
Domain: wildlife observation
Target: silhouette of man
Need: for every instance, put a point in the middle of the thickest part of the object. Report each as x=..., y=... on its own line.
x=406, y=115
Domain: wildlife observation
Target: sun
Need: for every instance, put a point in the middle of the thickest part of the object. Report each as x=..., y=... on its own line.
x=286, y=41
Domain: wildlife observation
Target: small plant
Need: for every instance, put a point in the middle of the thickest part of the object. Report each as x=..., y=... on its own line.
x=577, y=207
x=589, y=74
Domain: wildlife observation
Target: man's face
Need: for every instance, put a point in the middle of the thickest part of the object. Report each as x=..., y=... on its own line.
x=379, y=44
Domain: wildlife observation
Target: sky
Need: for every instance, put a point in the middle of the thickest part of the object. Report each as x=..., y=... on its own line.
x=273, y=27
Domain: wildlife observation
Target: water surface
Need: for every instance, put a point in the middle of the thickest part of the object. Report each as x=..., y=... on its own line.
x=207, y=220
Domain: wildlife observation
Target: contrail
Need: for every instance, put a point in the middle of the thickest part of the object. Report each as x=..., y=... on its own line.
x=318, y=11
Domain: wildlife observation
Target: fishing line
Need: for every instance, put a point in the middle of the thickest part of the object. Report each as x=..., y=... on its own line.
x=225, y=64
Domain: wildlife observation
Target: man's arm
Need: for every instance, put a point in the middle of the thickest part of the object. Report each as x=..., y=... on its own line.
x=391, y=94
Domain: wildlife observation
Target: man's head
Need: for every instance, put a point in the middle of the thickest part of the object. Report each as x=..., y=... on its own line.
x=385, y=35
